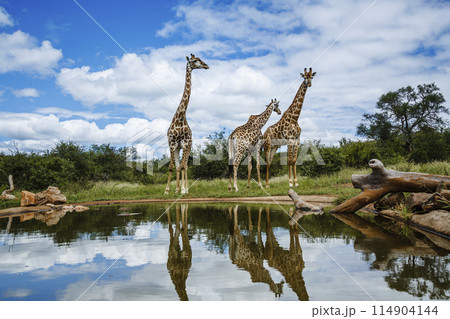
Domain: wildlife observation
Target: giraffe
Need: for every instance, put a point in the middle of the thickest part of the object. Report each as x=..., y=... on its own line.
x=248, y=138
x=179, y=260
x=287, y=131
x=179, y=133
x=250, y=256
x=289, y=262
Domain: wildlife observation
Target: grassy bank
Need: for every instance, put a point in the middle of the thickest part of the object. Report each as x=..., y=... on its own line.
x=338, y=184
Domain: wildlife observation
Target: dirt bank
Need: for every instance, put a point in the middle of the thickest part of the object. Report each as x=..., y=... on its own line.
x=324, y=200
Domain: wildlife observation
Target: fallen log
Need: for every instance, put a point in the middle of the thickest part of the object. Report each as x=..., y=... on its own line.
x=301, y=204
x=302, y=208
x=383, y=181
x=6, y=194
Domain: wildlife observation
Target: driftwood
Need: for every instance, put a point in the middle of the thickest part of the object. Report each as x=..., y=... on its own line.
x=302, y=205
x=6, y=194
x=302, y=208
x=383, y=181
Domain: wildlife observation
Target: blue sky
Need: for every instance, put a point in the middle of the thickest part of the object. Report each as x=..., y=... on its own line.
x=63, y=78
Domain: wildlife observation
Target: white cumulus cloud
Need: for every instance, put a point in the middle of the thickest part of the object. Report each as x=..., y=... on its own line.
x=21, y=52
x=28, y=92
x=33, y=131
x=256, y=52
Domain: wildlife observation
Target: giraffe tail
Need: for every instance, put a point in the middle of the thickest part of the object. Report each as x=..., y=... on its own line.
x=230, y=155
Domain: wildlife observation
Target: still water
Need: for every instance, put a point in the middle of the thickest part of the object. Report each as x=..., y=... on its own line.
x=214, y=252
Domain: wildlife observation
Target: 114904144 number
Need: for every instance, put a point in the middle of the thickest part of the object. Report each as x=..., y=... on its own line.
x=417, y=310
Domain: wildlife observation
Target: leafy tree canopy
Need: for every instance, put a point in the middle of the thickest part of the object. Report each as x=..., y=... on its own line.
x=403, y=113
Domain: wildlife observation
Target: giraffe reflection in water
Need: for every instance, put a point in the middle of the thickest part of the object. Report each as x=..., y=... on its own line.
x=250, y=255
x=180, y=256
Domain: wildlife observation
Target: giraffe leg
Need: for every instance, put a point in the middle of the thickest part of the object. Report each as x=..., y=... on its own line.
x=290, y=175
x=172, y=158
x=184, y=166
x=236, y=163
x=166, y=192
x=290, y=155
x=273, y=150
x=294, y=163
x=230, y=160
x=177, y=167
x=268, y=162
x=186, y=186
x=235, y=169
x=249, y=169
x=230, y=172
x=250, y=224
x=183, y=208
x=177, y=189
x=258, y=169
x=168, y=215
x=235, y=211
x=258, y=166
x=182, y=182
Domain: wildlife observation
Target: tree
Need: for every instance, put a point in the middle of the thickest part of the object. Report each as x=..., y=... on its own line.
x=403, y=113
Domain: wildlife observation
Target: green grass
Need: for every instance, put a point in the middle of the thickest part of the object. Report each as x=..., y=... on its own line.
x=337, y=184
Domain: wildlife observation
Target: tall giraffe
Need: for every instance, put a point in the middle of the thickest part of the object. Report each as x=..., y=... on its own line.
x=249, y=256
x=179, y=133
x=179, y=260
x=287, y=131
x=248, y=138
x=290, y=262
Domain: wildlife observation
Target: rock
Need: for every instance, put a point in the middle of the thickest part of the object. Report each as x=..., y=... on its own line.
x=438, y=220
x=52, y=195
x=67, y=208
x=8, y=197
x=50, y=218
x=25, y=217
x=80, y=208
x=28, y=199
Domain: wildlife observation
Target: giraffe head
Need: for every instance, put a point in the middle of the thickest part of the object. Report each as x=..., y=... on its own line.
x=196, y=63
x=308, y=76
x=275, y=106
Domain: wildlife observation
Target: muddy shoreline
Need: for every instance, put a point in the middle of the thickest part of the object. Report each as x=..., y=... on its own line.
x=324, y=200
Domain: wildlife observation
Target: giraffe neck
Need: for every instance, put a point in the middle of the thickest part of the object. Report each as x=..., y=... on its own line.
x=264, y=116
x=293, y=112
x=181, y=111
